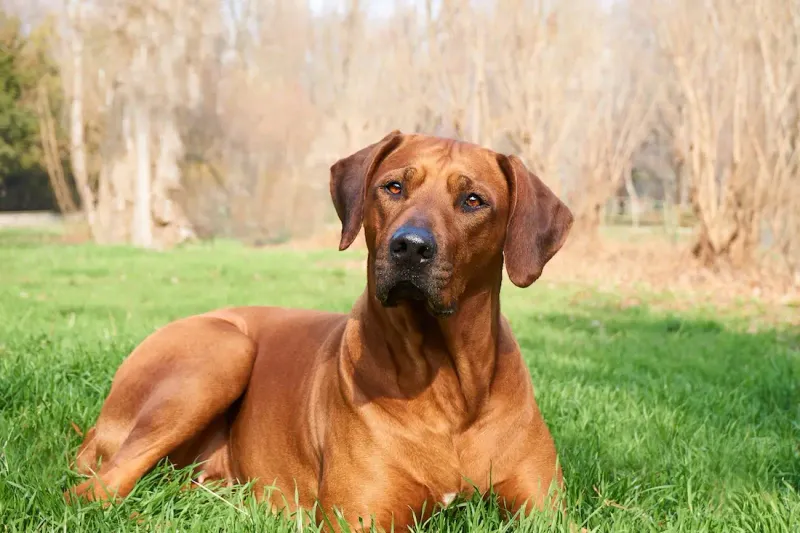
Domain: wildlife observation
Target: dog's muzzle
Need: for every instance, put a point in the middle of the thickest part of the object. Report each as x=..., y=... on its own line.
x=409, y=271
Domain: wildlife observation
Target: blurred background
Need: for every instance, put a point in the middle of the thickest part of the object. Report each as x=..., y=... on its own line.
x=162, y=158
x=670, y=127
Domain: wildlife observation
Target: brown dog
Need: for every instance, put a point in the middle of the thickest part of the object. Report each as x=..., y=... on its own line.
x=419, y=394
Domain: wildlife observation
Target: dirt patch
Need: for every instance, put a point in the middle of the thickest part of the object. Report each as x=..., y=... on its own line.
x=669, y=272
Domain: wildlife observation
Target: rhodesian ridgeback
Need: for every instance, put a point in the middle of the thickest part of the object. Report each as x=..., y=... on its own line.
x=417, y=395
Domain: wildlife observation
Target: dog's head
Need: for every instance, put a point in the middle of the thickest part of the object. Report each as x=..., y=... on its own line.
x=439, y=216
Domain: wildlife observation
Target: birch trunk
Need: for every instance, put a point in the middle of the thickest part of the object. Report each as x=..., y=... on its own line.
x=636, y=207
x=76, y=119
x=142, y=228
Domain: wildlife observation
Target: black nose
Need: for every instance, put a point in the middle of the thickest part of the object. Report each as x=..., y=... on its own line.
x=412, y=246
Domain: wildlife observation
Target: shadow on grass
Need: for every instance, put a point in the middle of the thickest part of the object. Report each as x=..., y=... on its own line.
x=658, y=420
x=686, y=407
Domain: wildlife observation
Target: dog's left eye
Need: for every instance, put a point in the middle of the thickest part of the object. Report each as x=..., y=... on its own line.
x=394, y=187
x=473, y=201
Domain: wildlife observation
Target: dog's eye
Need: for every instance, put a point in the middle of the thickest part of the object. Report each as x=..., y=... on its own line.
x=473, y=201
x=394, y=187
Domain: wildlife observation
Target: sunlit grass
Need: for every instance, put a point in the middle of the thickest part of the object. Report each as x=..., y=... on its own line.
x=664, y=422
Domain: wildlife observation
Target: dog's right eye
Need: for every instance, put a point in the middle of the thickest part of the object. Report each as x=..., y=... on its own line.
x=393, y=188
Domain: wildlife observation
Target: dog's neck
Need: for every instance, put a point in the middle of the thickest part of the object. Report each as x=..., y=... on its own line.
x=408, y=346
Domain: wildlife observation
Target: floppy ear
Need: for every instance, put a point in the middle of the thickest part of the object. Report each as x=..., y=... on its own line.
x=538, y=223
x=349, y=177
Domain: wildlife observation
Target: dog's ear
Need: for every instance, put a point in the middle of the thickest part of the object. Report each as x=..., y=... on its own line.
x=538, y=223
x=349, y=177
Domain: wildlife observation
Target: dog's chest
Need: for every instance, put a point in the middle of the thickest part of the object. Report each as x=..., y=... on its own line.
x=451, y=464
x=451, y=448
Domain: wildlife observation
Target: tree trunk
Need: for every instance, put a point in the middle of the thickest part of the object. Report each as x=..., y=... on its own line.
x=52, y=159
x=735, y=247
x=636, y=205
x=104, y=205
x=171, y=224
x=77, y=143
x=478, y=90
x=703, y=248
x=118, y=167
x=744, y=245
x=142, y=228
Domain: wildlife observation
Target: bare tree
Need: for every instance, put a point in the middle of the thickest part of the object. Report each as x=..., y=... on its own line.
x=51, y=153
x=773, y=127
x=139, y=58
x=621, y=96
x=542, y=57
x=726, y=60
x=222, y=116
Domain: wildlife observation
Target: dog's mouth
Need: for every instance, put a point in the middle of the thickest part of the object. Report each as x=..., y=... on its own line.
x=409, y=291
x=403, y=291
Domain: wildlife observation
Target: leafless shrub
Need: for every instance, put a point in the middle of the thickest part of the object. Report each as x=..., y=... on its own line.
x=735, y=69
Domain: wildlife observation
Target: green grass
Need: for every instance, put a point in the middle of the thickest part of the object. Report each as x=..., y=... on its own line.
x=664, y=422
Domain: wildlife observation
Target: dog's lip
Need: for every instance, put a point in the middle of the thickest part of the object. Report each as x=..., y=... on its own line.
x=404, y=290
x=408, y=291
x=438, y=312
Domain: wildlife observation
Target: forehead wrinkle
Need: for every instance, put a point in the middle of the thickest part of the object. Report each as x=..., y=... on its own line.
x=446, y=160
x=454, y=162
x=459, y=181
x=417, y=176
x=444, y=151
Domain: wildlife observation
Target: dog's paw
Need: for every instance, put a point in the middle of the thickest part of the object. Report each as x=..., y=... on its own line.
x=89, y=491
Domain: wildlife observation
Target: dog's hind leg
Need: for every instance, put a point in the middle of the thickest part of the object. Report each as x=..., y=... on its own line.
x=172, y=386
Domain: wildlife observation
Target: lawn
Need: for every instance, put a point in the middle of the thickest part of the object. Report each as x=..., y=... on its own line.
x=665, y=421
